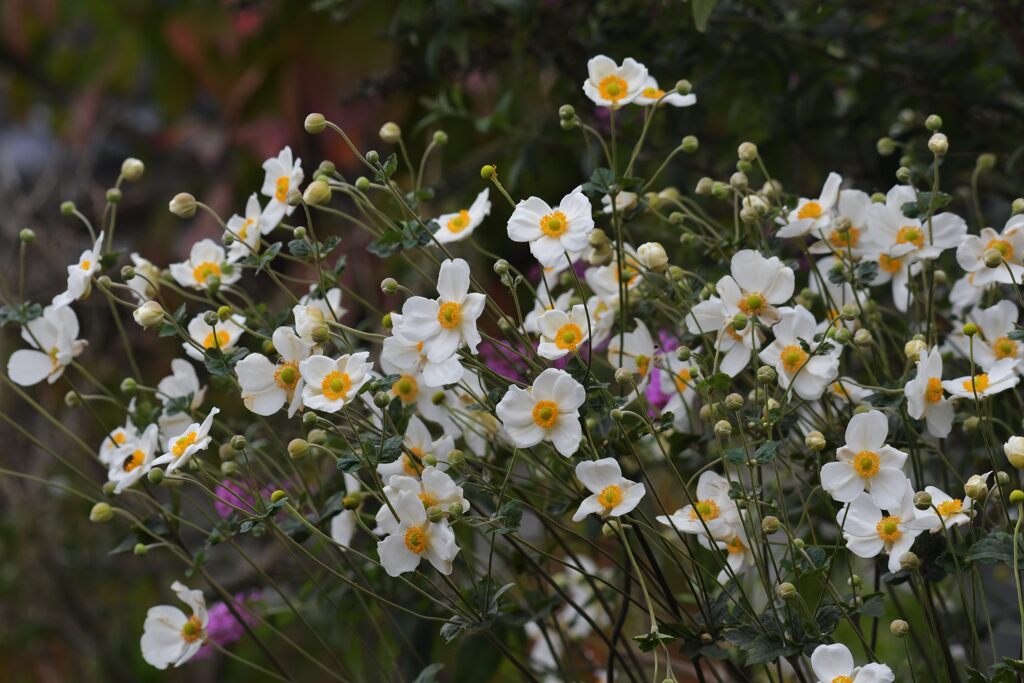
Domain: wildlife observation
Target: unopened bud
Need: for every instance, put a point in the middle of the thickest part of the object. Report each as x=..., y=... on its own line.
x=899, y=628
x=986, y=161
x=976, y=487
x=922, y=500
x=315, y=123
x=372, y=157
x=456, y=457
x=766, y=374
x=815, y=441
x=317, y=193
x=903, y=174
x=885, y=146
x=362, y=183
x=566, y=111
x=320, y=334
x=747, y=151
x=129, y=386
x=786, y=591
x=1016, y=497
x=183, y=205
x=684, y=87
x=310, y=419
x=971, y=423
x=1018, y=205
x=739, y=322
x=970, y=329
x=155, y=476
x=690, y=144
x=723, y=428
x=704, y=186
x=238, y=442
x=487, y=172
x=914, y=348
x=351, y=501
x=140, y=549
x=938, y=144
x=390, y=133
x=440, y=138
x=734, y=401
x=381, y=399
x=770, y=524
x=683, y=353
x=623, y=375
x=909, y=561
x=297, y=448
x=501, y=267
x=863, y=337
x=652, y=255
x=933, y=122
x=149, y=314
x=101, y=513
x=993, y=258
x=435, y=514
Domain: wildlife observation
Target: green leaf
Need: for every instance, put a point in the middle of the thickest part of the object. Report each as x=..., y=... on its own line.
x=717, y=382
x=110, y=259
x=508, y=517
x=349, y=463
x=702, y=12
x=167, y=329
x=649, y=641
x=736, y=455
x=22, y=313
x=601, y=181
x=996, y=547
x=222, y=363
x=1017, y=334
x=300, y=249
x=828, y=618
x=390, y=449
x=921, y=206
x=767, y=452
x=263, y=259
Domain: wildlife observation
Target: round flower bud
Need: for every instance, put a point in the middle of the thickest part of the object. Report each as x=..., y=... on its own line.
x=566, y=111
x=385, y=321
x=210, y=318
x=739, y=322
x=899, y=628
x=903, y=174
x=456, y=457
x=309, y=419
x=766, y=374
x=149, y=314
x=938, y=144
x=683, y=353
x=690, y=144
x=863, y=337
x=140, y=549
x=183, y=205
x=610, y=529
x=734, y=401
x=684, y=87
x=438, y=398
x=723, y=428
x=616, y=414
x=841, y=335
x=389, y=285
x=922, y=500
x=970, y=329
x=850, y=312
x=885, y=146
x=719, y=190
x=315, y=123
x=317, y=436
x=362, y=183
x=381, y=399
x=351, y=501
x=914, y=348
x=390, y=133
x=320, y=334
x=1014, y=450
x=155, y=476
x=815, y=441
x=739, y=180
x=770, y=524
x=67, y=208
x=440, y=138
x=1002, y=479
x=225, y=452
x=1018, y=205
x=327, y=167
x=297, y=448
x=652, y=255
x=971, y=423
x=993, y=258
x=933, y=122
x=238, y=442
x=747, y=151
x=372, y=157
x=317, y=193
x=1016, y=497
x=704, y=185
x=430, y=460
x=26, y=235
x=986, y=161
x=854, y=581
x=101, y=513
x=909, y=561
x=435, y=514
x=976, y=487
x=487, y=171
x=108, y=488
x=623, y=375
x=114, y=195
x=786, y=591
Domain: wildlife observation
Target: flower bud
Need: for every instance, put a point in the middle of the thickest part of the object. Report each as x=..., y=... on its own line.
x=993, y=258
x=914, y=348
x=1018, y=205
x=501, y=267
x=317, y=436
x=719, y=190
x=1016, y=497
x=351, y=501
x=438, y=398
x=390, y=133
x=734, y=401
x=155, y=476
x=841, y=335
x=933, y=122
x=435, y=514
x=225, y=452
x=317, y=193
x=903, y=174
x=101, y=513
x=938, y=144
x=315, y=123
x=487, y=171
x=885, y=146
x=140, y=549
x=149, y=314
x=922, y=500
x=297, y=448
x=723, y=429
x=652, y=255
x=766, y=374
x=704, y=186
x=683, y=353
x=26, y=235
x=909, y=561
x=899, y=628
x=1014, y=450
x=108, y=488
x=986, y=161
x=616, y=415
x=320, y=334
x=238, y=442
x=786, y=591
x=747, y=151
x=277, y=496
x=1002, y=479
x=67, y=208
x=863, y=337
x=610, y=529
x=456, y=457
x=971, y=423
x=970, y=329
x=566, y=111
x=770, y=524
x=815, y=441
x=372, y=157
x=381, y=399
x=623, y=375
x=976, y=487
x=310, y=420
x=362, y=183
x=210, y=318
x=327, y=167
x=113, y=195
x=854, y=581
x=386, y=322
x=690, y=144
x=440, y=138
x=183, y=205
x=684, y=87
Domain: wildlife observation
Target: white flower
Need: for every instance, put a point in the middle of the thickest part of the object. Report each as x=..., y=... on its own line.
x=562, y=333
x=330, y=384
x=1000, y=377
x=312, y=312
x=170, y=638
x=247, y=230
x=845, y=392
x=146, y=282
x=1014, y=450
x=552, y=232
x=965, y=294
x=808, y=374
x=611, y=494
x=946, y=511
x=445, y=323
x=739, y=553
x=853, y=205
x=652, y=94
x=712, y=512
x=149, y=314
x=541, y=305
x=423, y=446
x=413, y=538
x=54, y=346
x=832, y=663
x=970, y=253
x=925, y=400
x=624, y=201
x=115, y=440
x=812, y=214
x=227, y=335
x=133, y=459
x=868, y=532
x=404, y=356
x=461, y=224
x=267, y=386
x=605, y=280
x=908, y=239
x=756, y=285
x=866, y=463
x=181, y=394
x=549, y=410
x=206, y=259
x=992, y=343
x=180, y=449
x=434, y=488
x=611, y=85
x=677, y=383
x=652, y=256
x=282, y=175
x=344, y=524
x=636, y=354
x=80, y=274
x=714, y=317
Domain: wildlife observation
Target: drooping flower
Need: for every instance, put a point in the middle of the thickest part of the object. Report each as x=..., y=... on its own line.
x=799, y=362
x=206, y=259
x=267, y=386
x=812, y=214
x=223, y=336
x=80, y=275
x=651, y=94
x=869, y=532
x=133, y=459
x=553, y=231
x=925, y=398
x=247, y=230
x=866, y=463
x=612, y=495
x=170, y=637
x=414, y=537
x=1000, y=377
x=563, y=333
x=331, y=384
x=713, y=512
x=314, y=309
x=457, y=226
x=945, y=512
x=611, y=85
x=282, y=175
x=180, y=449
x=834, y=664
x=547, y=411
x=52, y=337
x=637, y=352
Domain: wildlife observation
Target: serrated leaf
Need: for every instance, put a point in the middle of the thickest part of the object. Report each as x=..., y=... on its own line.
x=649, y=641
x=767, y=452
x=996, y=547
x=221, y=363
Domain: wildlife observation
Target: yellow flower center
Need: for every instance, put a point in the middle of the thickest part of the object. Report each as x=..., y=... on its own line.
x=428, y=500
x=613, y=88
x=281, y=188
x=204, y=270
x=844, y=240
x=889, y=264
x=866, y=463
x=950, y=507
x=810, y=210
x=841, y=391
x=416, y=539
x=554, y=224
x=888, y=529
x=545, y=413
x=752, y=303
x=910, y=234
x=977, y=384
x=735, y=546
x=568, y=336
x=411, y=463
x=842, y=679
x=1003, y=247
x=654, y=93
x=120, y=438
x=286, y=375
x=1004, y=347
x=682, y=380
x=85, y=264
x=609, y=497
x=220, y=340
x=192, y=630
x=643, y=363
x=459, y=222
x=449, y=315
x=406, y=388
x=244, y=230
x=706, y=509
x=182, y=443
x=933, y=394
x=336, y=385
x=134, y=460
x=793, y=358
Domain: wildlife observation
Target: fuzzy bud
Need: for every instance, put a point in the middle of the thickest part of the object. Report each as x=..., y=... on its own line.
x=993, y=258
x=297, y=448
x=501, y=267
x=155, y=476
x=938, y=144
x=317, y=193
x=976, y=487
x=815, y=441
x=922, y=500
x=372, y=157
x=362, y=183
x=863, y=337
x=914, y=348
x=766, y=374
x=351, y=501
x=101, y=513
x=909, y=561
x=985, y=161
x=149, y=314
x=684, y=87
x=390, y=133
x=747, y=151
x=652, y=255
x=114, y=196
x=1018, y=205
x=386, y=322
x=734, y=401
x=456, y=457
x=903, y=174
x=315, y=123
x=690, y=144
x=770, y=524
x=683, y=353
x=183, y=205
x=1016, y=497
x=786, y=591
x=723, y=429
x=310, y=420
x=381, y=399
x=623, y=375
x=899, y=628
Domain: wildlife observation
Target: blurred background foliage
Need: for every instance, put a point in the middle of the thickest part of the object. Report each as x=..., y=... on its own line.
x=204, y=91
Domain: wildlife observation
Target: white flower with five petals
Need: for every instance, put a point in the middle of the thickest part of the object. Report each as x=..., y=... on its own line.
x=547, y=411
x=330, y=383
x=448, y=322
x=267, y=386
x=553, y=231
x=612, y=495
x=869, y=532
x=282, y=175
x=169, y=636
x=414, y=537
x=611, y=85
x=80, y=274
x=52, y=337
x=455, y=227
x=866, y=463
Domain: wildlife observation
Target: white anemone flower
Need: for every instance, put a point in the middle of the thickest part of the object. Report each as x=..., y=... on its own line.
x=808, y=370
x=945, y=512
x=866, y=463
x=547, y=411
x=267, y=386
x=80, y=275
x=756, y=285
x=846, y=392
x=898, y=237
x=414, y=537
x=169, y=637
x=869, y=532
x=313, y=311
x=637, y=353
x=738, y=548
x=246, y=230
x=115, y=440
x=611, y=494
x=223, y=336
x=436, y=489
x=401, y=355
x=992, y=343
x=834, y=664
x=965, y=294
x=181, y=394
x=713, y=316
x=448, y=322
x=282, y=175
x=331, y=384
x=146, y=282
x=541, y=305
x=853, y=205
x=180, y=449
x=611, y=85
x=676, y=382
x=713, y=512
x=970, y=253
x=413, y=389
x=52, y=337
x=925, y=398
x=812, y=214
x=422, y=448
x=458, y=226
x=624, y=201
x=605, y=280
x=344, y=524
x=563, y=333
x=132, y=460
x=206, y=259
x=1000, y=377
x=553, y=231
x=651, y=94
